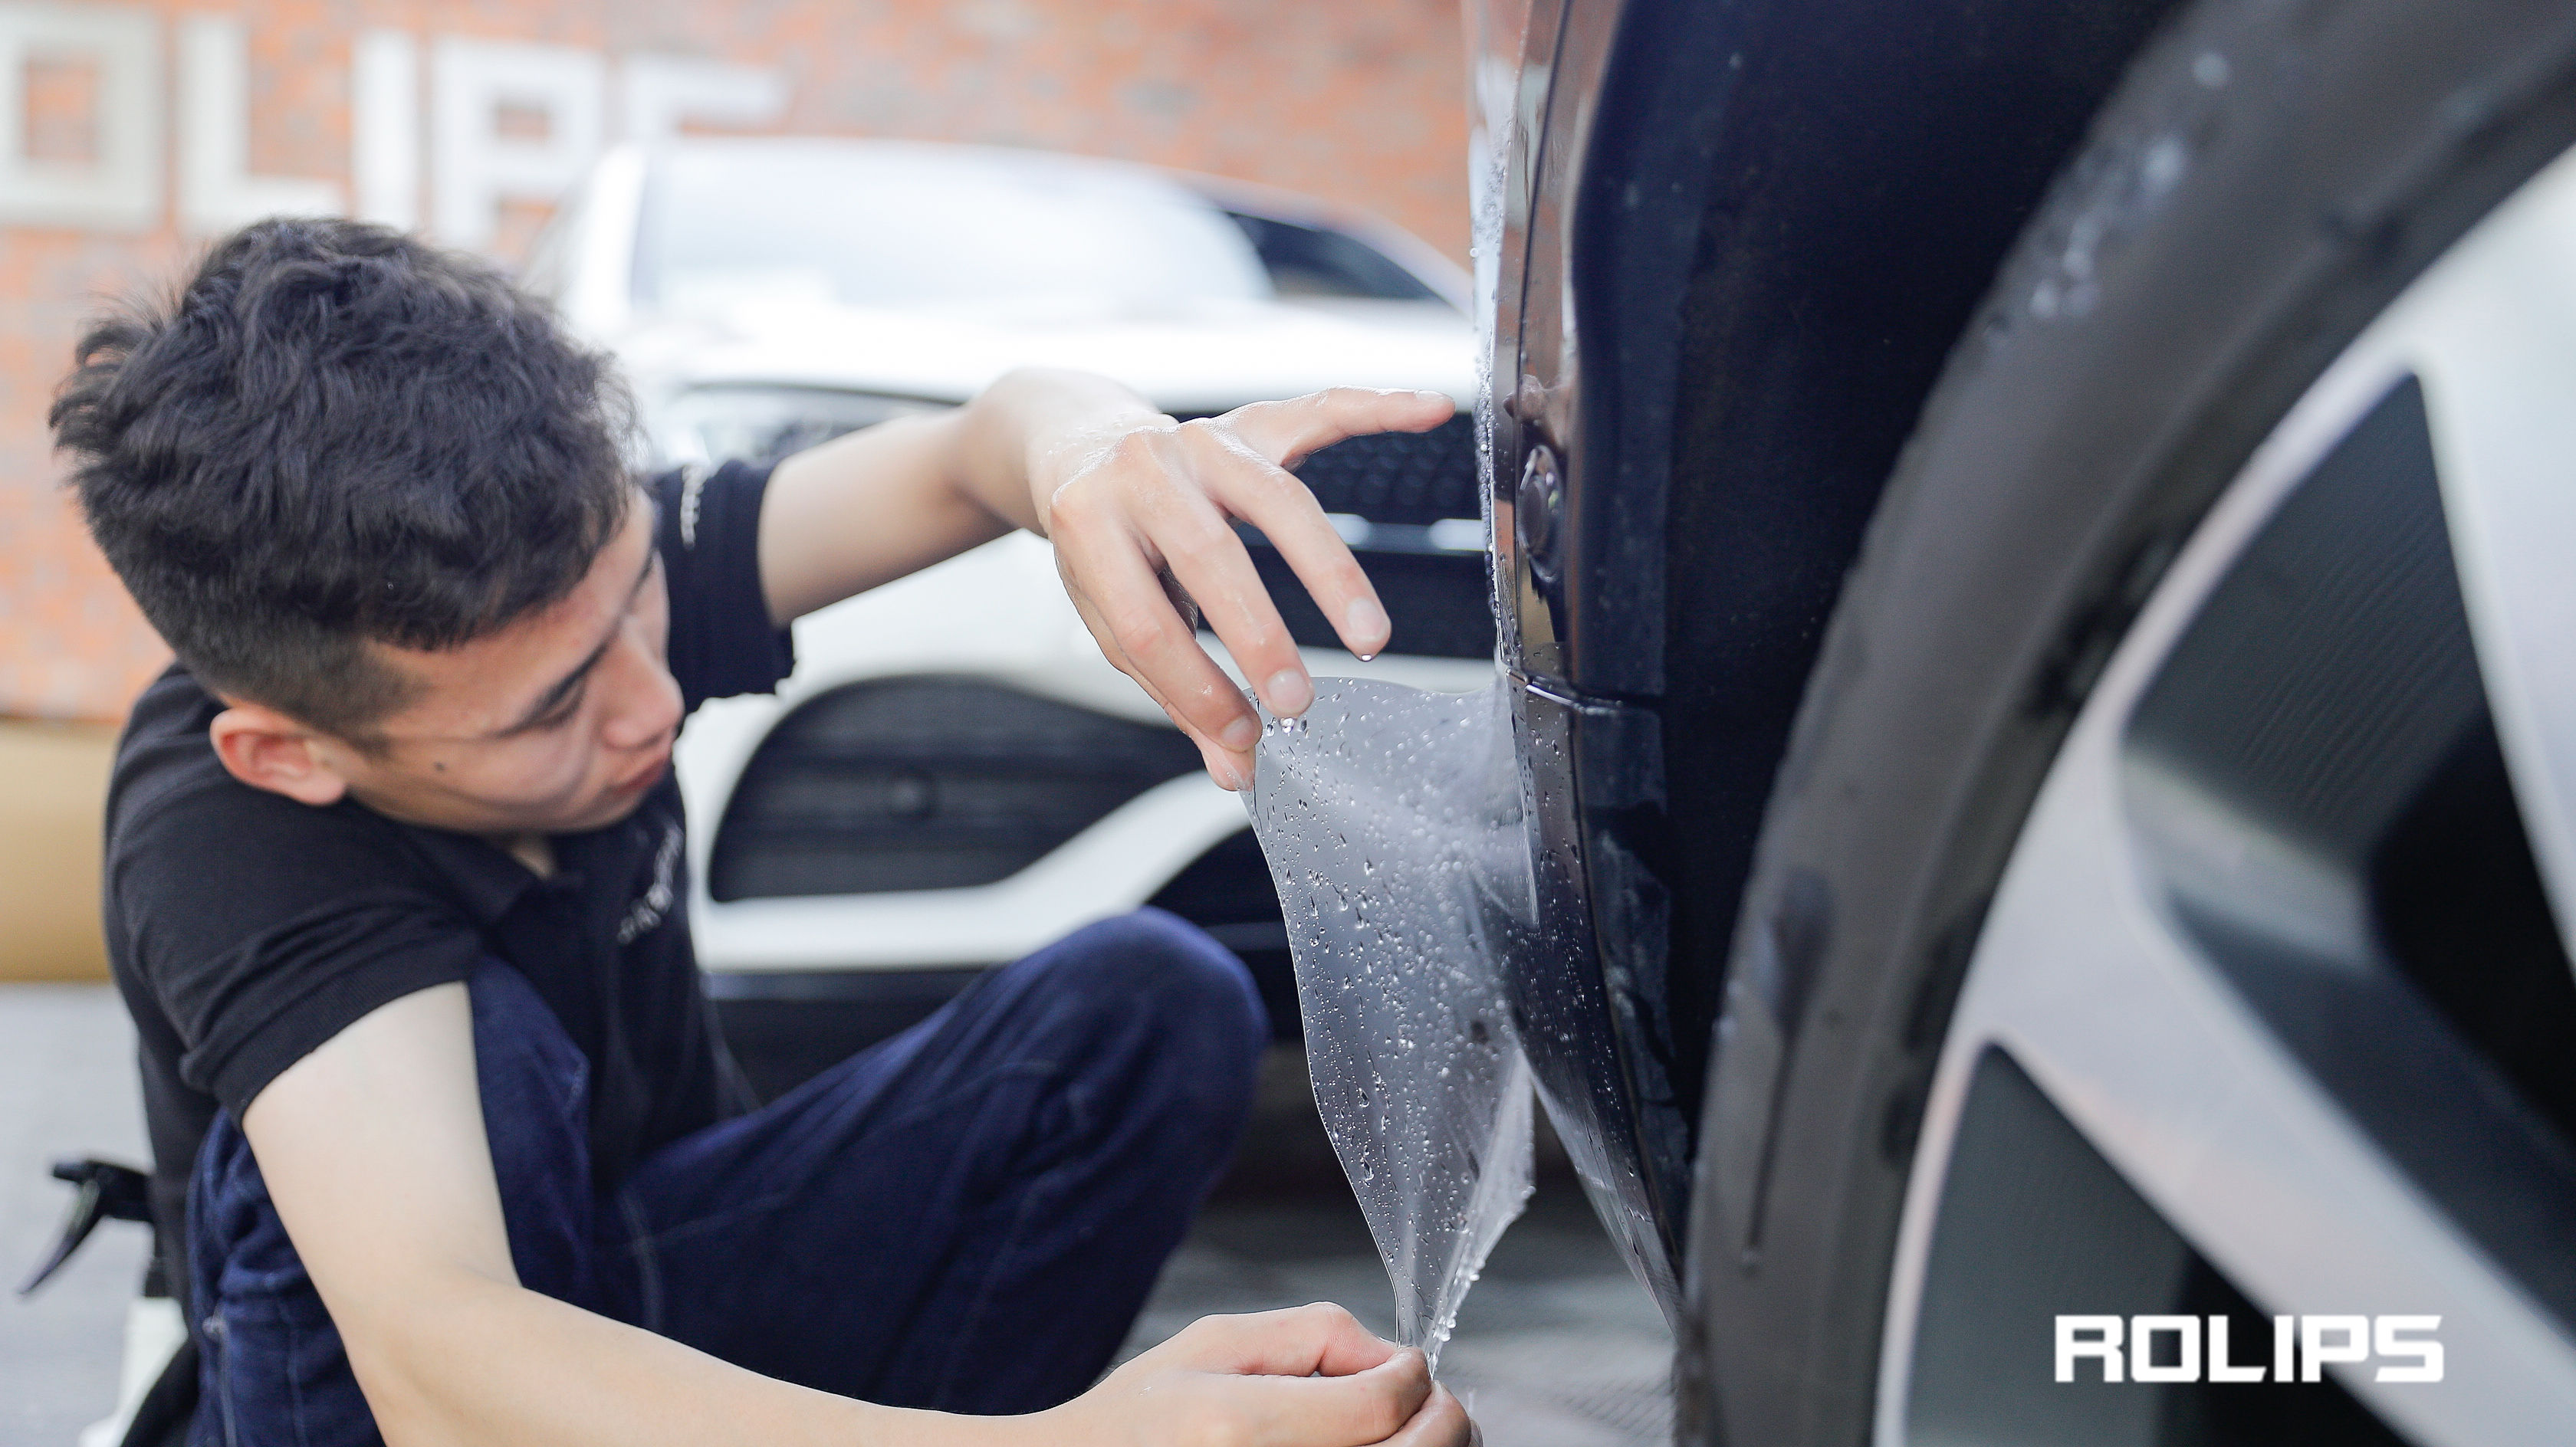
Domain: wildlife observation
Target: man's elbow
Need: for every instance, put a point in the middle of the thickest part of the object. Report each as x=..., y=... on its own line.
x=426, y=1350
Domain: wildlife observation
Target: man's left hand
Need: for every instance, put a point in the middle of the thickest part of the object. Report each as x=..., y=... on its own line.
x=1142, y=518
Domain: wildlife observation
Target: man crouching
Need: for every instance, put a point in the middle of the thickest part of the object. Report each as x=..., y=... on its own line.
x=447, y=1149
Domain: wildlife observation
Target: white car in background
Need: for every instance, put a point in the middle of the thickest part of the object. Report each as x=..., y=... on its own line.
x=954, y=776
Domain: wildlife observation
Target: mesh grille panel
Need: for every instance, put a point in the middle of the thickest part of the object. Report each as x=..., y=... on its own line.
x=1400, y=477
x=1437, y=602
x=927, y=783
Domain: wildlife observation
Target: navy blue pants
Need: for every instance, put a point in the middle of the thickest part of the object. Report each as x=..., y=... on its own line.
x=966, y=1217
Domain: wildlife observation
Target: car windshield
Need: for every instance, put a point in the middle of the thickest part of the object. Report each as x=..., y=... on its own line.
x=904, y=227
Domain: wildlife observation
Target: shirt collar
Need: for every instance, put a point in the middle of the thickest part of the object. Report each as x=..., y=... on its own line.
x=487, y=880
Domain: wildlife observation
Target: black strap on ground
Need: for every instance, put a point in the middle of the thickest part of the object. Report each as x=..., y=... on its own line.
x=107, y=1191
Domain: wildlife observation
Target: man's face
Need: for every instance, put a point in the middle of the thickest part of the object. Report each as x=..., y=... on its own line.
x=560, y=722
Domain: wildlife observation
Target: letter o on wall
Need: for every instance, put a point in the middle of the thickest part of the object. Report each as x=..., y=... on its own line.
x=119, y=189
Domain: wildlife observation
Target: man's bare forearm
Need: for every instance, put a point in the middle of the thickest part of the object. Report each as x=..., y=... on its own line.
x=469, y=1361
x=871, y=507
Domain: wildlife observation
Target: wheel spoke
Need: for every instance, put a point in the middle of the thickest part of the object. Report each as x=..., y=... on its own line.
x=2495, y=342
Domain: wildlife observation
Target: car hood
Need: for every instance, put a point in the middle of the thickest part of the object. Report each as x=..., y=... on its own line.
x=1201, y=358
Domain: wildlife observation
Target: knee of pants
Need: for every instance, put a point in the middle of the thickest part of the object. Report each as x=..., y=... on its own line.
x=1207, y=1016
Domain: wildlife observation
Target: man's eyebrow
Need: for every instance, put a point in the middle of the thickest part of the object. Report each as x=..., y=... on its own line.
x=548, y=701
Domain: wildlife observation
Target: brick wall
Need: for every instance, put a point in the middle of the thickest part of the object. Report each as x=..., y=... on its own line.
x=130, y=132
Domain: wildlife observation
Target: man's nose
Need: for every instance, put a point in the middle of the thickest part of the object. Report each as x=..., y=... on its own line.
x=647, y=705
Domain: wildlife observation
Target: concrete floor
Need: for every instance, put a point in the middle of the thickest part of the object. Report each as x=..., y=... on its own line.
x=1557, y=1346
x=67, y=1088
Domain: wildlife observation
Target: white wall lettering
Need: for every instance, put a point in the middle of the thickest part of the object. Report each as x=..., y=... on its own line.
x=217, y=192
x=657, y=92
x=384, y=127
x=473, y=162
x=474, y=165
x=118, y=188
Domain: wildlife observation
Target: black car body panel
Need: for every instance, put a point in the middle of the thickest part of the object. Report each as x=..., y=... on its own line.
x=1739, y=241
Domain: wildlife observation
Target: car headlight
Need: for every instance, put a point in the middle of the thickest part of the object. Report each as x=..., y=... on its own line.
x=763, y=424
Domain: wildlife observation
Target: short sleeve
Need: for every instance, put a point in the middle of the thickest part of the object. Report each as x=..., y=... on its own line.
x=259, y=956
x=722, y=642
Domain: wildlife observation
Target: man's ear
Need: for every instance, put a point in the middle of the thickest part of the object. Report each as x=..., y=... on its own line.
x=267, y=750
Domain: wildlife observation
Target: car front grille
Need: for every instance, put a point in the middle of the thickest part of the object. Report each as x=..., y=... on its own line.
x=1437, y=604
x=1412, y=478
x=1408, y=504
x=927, y=783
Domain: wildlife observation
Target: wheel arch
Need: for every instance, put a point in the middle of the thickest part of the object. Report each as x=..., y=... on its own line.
x=1758, y=231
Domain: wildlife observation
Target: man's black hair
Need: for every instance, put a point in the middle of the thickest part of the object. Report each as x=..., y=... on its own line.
x=338, y=433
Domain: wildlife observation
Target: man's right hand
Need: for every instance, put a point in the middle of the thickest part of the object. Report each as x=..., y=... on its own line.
x=1310, y=1376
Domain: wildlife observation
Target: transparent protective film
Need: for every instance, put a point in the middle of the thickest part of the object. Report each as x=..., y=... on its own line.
x=1391, y=819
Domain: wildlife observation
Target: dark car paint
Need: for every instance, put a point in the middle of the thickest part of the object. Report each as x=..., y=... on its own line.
x=1773, y=220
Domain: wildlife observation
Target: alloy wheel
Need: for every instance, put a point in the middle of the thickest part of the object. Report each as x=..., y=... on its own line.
x=2203, y=1014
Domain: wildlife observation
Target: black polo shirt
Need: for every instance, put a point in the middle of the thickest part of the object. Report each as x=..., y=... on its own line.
x=246, y=929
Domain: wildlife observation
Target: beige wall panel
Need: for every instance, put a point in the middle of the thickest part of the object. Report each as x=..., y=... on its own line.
x=53, y=784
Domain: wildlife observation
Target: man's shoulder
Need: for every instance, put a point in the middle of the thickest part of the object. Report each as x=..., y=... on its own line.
x=722, y=640
x=164, y=754
x=167, y=779
x=184, y=837
x=257, y=926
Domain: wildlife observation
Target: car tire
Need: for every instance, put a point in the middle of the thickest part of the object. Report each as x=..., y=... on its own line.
x=2268, y=179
